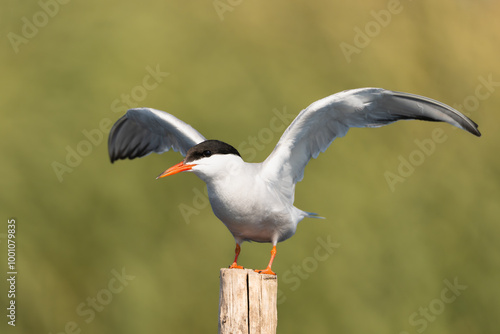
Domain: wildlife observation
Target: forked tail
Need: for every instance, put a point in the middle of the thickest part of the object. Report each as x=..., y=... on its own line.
x=313, y=215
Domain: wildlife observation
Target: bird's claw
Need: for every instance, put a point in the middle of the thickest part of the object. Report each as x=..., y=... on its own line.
x=266, y=271
x=235, y=266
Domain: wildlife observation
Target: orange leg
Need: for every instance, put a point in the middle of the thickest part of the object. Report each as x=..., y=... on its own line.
x=237, y=253
x=268, y=270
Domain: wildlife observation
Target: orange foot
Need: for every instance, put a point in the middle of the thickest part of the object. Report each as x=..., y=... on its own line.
x=266, y=271
x=235, y=266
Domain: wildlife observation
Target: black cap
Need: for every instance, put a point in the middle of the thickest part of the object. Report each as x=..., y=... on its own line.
x=208, y=148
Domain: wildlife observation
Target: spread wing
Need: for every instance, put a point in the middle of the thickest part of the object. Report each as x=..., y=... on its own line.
x=318, y=125
x=144, y=130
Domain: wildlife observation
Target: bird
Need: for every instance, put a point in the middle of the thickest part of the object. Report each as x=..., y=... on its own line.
x=255, y=200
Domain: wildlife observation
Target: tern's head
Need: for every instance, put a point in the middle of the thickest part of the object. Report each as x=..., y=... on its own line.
x=207, y=159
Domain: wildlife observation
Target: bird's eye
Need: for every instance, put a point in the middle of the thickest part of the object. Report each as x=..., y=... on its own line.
x=207, y=153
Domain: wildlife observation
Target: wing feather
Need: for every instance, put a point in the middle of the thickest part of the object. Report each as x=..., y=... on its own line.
x=315, y=128
x=142, y=131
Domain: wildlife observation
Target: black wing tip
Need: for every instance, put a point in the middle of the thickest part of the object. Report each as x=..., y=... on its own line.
x=136, y=152
x=113, y=156
x=472, y=130
x=471, y=126
x=112, y=159
x=116, y=153
x=467, y=124
x=475, y=132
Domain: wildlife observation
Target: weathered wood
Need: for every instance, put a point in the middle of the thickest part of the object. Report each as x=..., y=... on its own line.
x=247, y=302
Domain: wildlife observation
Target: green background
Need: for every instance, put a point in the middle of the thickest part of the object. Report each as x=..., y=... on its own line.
x=228, y=71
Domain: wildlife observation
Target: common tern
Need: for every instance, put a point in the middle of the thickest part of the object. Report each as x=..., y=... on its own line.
x=255, y=200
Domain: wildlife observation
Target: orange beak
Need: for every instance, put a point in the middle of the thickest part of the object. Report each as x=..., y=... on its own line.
x=180, y=167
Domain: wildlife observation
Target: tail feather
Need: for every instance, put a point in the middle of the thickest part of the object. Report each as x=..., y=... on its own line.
x=313, y=215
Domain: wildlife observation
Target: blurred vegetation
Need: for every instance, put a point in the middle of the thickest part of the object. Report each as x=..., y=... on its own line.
x=225, y=78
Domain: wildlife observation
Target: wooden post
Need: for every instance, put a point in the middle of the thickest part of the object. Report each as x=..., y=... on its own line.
x=247, y=302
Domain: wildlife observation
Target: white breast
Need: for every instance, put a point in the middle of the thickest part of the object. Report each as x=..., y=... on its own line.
x=250, y=207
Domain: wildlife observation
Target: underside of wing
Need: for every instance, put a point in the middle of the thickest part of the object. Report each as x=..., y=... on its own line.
x=143, y=131
x=318, y=125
